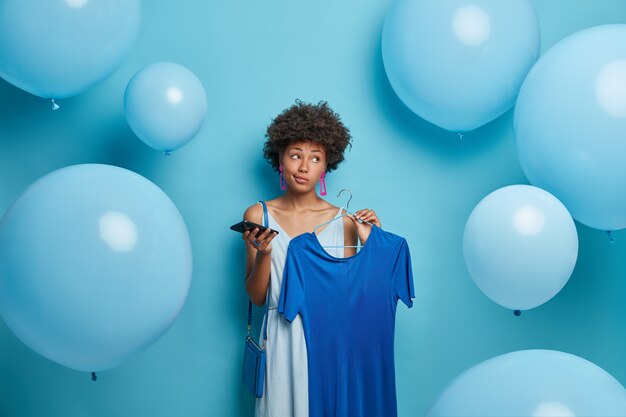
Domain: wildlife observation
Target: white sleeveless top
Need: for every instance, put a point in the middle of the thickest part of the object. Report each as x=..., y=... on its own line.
x=286, y=389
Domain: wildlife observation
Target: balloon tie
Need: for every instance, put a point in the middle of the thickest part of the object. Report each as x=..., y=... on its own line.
x=168, y=153
x=54, y=105
x=517, y=312
x=94, y=377
x=611, y=235
x=460, y=135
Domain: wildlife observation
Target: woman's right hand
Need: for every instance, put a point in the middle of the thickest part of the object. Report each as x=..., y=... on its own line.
x=362, y=220
x=262, y=242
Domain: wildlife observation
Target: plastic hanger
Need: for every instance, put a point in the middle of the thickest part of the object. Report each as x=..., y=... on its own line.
x=339, y=217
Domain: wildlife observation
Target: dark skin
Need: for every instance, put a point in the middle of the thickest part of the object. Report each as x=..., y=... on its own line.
x=298, y=211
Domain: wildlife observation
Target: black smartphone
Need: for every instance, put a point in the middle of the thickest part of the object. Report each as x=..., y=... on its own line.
x=244, y=225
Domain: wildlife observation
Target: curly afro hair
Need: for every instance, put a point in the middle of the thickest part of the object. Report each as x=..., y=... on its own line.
x=316, y=123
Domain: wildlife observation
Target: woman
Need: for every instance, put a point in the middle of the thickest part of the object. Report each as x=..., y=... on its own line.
x=304, y=142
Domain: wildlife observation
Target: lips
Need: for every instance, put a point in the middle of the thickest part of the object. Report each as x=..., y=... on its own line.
x=300, y=180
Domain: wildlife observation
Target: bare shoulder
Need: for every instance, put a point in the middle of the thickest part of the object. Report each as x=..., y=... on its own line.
x=254, y=213
x=348, y=224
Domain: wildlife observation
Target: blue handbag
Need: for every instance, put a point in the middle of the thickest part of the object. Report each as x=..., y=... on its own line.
x=254, y=355
x=254, y=367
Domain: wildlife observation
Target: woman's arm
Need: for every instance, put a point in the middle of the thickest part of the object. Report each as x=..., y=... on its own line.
x=258, y=258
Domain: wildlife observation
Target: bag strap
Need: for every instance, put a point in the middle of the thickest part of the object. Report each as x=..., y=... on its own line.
x=266, y=224
x=266, y=220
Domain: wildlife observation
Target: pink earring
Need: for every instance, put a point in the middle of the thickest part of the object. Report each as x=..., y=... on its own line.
x=323, y=183
x=283, y=183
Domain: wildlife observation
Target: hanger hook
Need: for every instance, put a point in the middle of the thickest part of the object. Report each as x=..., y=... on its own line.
x=350, y=199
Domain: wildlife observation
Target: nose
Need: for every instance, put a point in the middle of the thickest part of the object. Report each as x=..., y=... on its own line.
x=303, y=168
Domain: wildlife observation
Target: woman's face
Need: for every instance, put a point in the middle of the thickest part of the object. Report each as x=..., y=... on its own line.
x=303, y=164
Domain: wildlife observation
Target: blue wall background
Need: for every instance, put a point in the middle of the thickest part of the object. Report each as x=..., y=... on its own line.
x=254, y=59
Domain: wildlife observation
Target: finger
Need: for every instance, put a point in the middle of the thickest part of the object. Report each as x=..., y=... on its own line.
x=367, y=212
x=265, y=246
x=271, y=237
x=374, y=220
x=369, y=216
x=363, y=213
x=263, y=235
x=266, y=241
x=355, y=221
x=262, y=241
x=252, y=233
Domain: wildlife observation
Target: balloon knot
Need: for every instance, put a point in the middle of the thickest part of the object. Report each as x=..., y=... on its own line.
x=611, y=235
x=460, y=135
x=54, y=105
x=517, y=312
x=93, y=376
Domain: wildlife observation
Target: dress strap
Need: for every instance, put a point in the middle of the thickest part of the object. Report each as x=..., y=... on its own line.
x=265, y=218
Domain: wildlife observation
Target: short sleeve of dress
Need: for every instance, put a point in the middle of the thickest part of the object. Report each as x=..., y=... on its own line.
x=291, y=297
x=403, y=276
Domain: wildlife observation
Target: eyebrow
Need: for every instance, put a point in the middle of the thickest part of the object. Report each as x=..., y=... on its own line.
x=302, y=150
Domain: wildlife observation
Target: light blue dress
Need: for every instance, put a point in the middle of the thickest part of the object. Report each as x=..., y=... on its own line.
x=286, y=390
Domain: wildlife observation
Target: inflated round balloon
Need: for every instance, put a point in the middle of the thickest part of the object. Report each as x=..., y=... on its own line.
x=570, y=124
x=537, y=383
x=520, y=246
x=459, y=64
x=165, y=105
x=57, y=49
x=95, y=265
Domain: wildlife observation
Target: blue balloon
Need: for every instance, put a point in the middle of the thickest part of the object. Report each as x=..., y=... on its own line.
x=165, y=105
x=459, y=64
x=57, y=49
x=533, y=383
x=95, y=265
x=520, y=246
x=570, y=124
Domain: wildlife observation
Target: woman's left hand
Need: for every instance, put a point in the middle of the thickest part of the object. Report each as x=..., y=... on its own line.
x=360, y=218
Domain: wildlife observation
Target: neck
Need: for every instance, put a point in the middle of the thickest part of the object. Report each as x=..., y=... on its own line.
x=300, y=201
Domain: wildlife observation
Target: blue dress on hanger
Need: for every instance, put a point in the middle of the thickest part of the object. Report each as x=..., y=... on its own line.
x=348, y=308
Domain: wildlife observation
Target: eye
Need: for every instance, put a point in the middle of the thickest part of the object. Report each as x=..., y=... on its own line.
x=295, y=156
x=316, y=159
